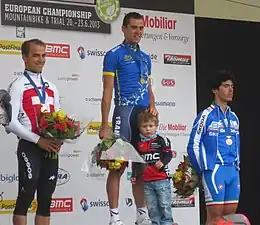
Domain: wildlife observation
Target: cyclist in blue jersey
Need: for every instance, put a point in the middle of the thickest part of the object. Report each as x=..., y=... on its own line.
x=214, y=148
x=127, y=71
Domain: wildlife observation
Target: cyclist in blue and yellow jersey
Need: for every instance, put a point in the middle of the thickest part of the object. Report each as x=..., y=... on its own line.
x=127, y=71
x=214, y=147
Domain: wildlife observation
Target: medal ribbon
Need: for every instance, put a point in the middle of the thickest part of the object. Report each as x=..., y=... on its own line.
x=138, y=58
x=228, y=126
x=42, y=96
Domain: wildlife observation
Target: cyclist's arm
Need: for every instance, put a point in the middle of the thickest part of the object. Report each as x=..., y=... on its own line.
x=150, y=90
x=15, y=126
x=109, y=70
x=195, y=140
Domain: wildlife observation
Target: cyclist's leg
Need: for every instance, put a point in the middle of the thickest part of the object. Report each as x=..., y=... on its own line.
x=214, y=190
x=121, y=126
x=29, y=162
x=45, y=188
x=232, y=192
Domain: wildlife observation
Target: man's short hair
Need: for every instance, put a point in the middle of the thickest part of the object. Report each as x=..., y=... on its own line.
x=131, y=15
x=146, y=116
x=26, y=45
x=220, y=76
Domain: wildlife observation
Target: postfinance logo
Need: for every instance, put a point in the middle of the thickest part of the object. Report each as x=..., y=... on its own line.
x=94, y=127
x=10, y=47
x=8, y=206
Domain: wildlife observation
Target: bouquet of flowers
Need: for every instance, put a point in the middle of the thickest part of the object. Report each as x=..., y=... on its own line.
x=185, y=179
x=59, y=126
x=114, y=152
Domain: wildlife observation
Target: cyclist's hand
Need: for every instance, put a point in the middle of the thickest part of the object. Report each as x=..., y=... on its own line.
x=48, y=145
x=104, y=132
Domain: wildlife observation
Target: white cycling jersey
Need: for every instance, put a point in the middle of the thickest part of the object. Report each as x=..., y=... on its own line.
x=26, y=105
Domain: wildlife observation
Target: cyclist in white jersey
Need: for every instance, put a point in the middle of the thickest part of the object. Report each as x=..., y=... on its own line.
x=30, y=94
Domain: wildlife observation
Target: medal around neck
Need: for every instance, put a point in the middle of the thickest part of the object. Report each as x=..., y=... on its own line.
x=142, y=80
x=229, y=140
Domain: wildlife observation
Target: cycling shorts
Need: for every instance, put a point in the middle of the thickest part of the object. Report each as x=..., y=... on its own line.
x=125, y=121
x=221, y=185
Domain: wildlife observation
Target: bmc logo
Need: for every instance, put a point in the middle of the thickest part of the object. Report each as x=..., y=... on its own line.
x=151, y=156
x=168, y=82
x=57, y=50
x=61, y=205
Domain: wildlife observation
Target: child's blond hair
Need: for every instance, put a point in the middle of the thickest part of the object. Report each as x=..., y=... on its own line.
x=146, y=116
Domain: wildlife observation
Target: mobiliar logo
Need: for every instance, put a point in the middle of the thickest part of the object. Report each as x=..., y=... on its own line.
x=173, y=129
x=61, y=205
x=177, y=59
x=54, y=50
x=159, y=22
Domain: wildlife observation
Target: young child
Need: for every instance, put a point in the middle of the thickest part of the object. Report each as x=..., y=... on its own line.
x=156, y=151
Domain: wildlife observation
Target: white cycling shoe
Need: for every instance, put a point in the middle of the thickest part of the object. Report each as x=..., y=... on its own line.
x=145, y=221
x=118, y=222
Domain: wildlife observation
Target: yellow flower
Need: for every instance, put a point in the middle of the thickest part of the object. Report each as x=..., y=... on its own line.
x=114, y=165
x=178, y=176
x=117, y=165
x=120, y=160
x=55, y=114
x=61, y=115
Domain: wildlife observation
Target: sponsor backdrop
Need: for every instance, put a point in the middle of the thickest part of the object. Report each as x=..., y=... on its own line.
x=77, y=39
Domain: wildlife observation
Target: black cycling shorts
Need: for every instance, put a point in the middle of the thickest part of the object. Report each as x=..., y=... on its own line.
x=38, y=173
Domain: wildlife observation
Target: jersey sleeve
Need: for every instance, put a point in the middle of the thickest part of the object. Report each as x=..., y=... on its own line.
x=149, y=66
x=110, y=64
x=166, y=150
x=195, y=140
x=15, y=127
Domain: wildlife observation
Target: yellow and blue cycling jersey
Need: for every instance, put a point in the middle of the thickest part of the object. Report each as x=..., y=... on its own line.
x=131, y=69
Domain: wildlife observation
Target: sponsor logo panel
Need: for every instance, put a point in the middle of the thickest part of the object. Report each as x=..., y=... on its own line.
x=94, y=127
x=177, y=59
x=86, y=204
x=53, y=50
x=183, y=202
x=168, y=82
x=173, y=129
x=61, y=205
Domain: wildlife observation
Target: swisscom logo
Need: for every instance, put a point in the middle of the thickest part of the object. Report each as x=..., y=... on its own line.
x=85, y=205
x=83, y=53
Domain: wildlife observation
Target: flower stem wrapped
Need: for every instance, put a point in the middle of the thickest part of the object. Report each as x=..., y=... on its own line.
x=104, y=145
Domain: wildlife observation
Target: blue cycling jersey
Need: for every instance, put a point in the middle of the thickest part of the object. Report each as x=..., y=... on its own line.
x=214, y=139
x=131, y=69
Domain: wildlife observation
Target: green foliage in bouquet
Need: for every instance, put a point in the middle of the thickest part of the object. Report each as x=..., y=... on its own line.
x=185, y=179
